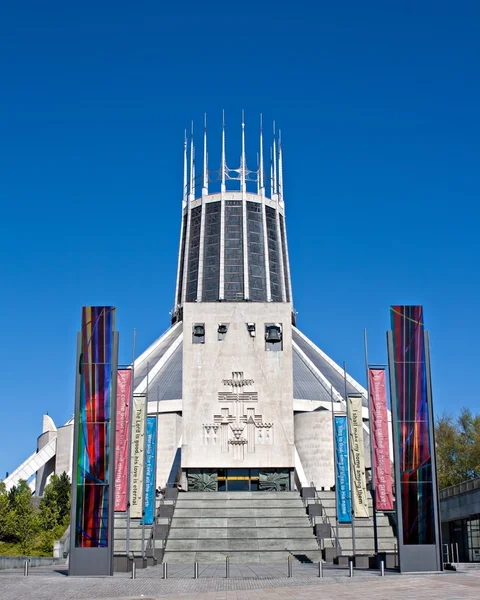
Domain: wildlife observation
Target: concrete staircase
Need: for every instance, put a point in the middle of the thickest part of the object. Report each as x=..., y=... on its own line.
x=120, y=534
x=249, y=527
x=364, y=529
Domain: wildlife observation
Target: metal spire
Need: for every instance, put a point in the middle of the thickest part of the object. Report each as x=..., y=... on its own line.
x=192, y=167
x=275, y=180
x=224, y=165
x=185, y=169
x=280, y=166
x=271, y=173
x=243, y=161
x=261, y=183
x=205, y=158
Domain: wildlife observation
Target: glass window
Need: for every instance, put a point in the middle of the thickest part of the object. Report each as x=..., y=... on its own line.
x=194, y=249
x=256, y=253
x=233, y=278
x=273, y=255
x=211, y=253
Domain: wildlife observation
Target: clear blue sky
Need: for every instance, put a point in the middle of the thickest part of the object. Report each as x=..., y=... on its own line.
x=379, y=108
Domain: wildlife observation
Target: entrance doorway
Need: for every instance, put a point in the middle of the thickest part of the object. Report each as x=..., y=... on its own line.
x=238, y=480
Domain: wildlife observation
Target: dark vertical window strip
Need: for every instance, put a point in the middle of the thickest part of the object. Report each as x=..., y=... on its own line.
x=182, y=259
x=285, y=258
x=256, y=253
x=211, y=253
x=273, y=255
x=233, y=278
x=193, y=254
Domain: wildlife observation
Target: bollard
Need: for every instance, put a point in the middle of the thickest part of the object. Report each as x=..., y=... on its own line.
x=289, y=566
x=164, y=570
x=382, y=569
x=320, y=569
x=458, y=560
x=227, y=567
x=25, y=568
x=350, y=563
x=134, y=569
x=195, y=570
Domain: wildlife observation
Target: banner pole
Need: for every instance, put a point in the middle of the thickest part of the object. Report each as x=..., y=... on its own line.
x=372, y=453
x=334, y=468
x=127, y=543
x=145, y=464
x=349, y=459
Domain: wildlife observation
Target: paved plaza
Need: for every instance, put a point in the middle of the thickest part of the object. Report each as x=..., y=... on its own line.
x=246, y=582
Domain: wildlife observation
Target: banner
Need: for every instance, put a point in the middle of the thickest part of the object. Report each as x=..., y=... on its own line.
x=357, y=457
x=122, y=428
x=137, y=457
x=381, y=449
x=150, y=469
x=344, y=511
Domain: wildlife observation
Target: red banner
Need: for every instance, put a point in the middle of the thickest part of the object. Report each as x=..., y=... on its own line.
x=122, y=431
x=380, y=440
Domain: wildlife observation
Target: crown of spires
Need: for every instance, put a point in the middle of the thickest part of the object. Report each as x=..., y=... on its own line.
x=242, y=174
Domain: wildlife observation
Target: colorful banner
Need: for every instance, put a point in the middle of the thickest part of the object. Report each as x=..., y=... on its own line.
x=382, y=466
x=92, y=509
x=137, y=457
x=122, y=430
x=357, y=457
x=344, y=510
x=413, y=428
x=150, y=464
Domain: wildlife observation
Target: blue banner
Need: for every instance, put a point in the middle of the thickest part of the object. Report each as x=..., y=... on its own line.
x=150, y=451
x=344, y=510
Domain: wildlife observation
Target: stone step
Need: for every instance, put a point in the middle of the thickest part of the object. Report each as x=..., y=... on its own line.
x=235, y=495
x=241, y=504
x=364, y=545
x=135, y=534
x=363, y=532
x=249, y=545
x=240, y=522
x=239, y=557
x=240, y=533
x=259, y=513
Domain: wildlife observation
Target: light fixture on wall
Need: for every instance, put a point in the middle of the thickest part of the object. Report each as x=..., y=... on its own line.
x=251, y=329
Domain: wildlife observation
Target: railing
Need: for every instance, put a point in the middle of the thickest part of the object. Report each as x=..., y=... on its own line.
x=325, y=520
x=460, y=488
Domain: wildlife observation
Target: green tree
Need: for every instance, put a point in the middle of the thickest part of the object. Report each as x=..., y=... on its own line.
x=54, y=511
x=24, y=518
x=5, y=515
x=55, y=503
x=458, y=447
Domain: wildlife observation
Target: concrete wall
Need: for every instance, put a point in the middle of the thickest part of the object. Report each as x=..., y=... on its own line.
x=49, y=467
x=314, y=443
x=169, y=435
x=64, y=450
x=460, y=506
x=18, y=562
x=219, y=431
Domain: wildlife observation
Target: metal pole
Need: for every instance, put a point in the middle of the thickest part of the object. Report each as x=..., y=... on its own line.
x=127, y=543
x=289, y=566
x=334, y=468
x=458, y=560
x=134, y=569
x=350, y=564
x=382, y=569
x=453, y=552
x=155, y=478
x=144, y=464
x=372, y=454
x=164, y=570
x=349, y=459
x=320, y=569
x=195, y=570
x=227, y=567
x=25, y=568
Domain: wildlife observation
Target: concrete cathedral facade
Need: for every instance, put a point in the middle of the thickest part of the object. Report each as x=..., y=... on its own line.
x=244, y=399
